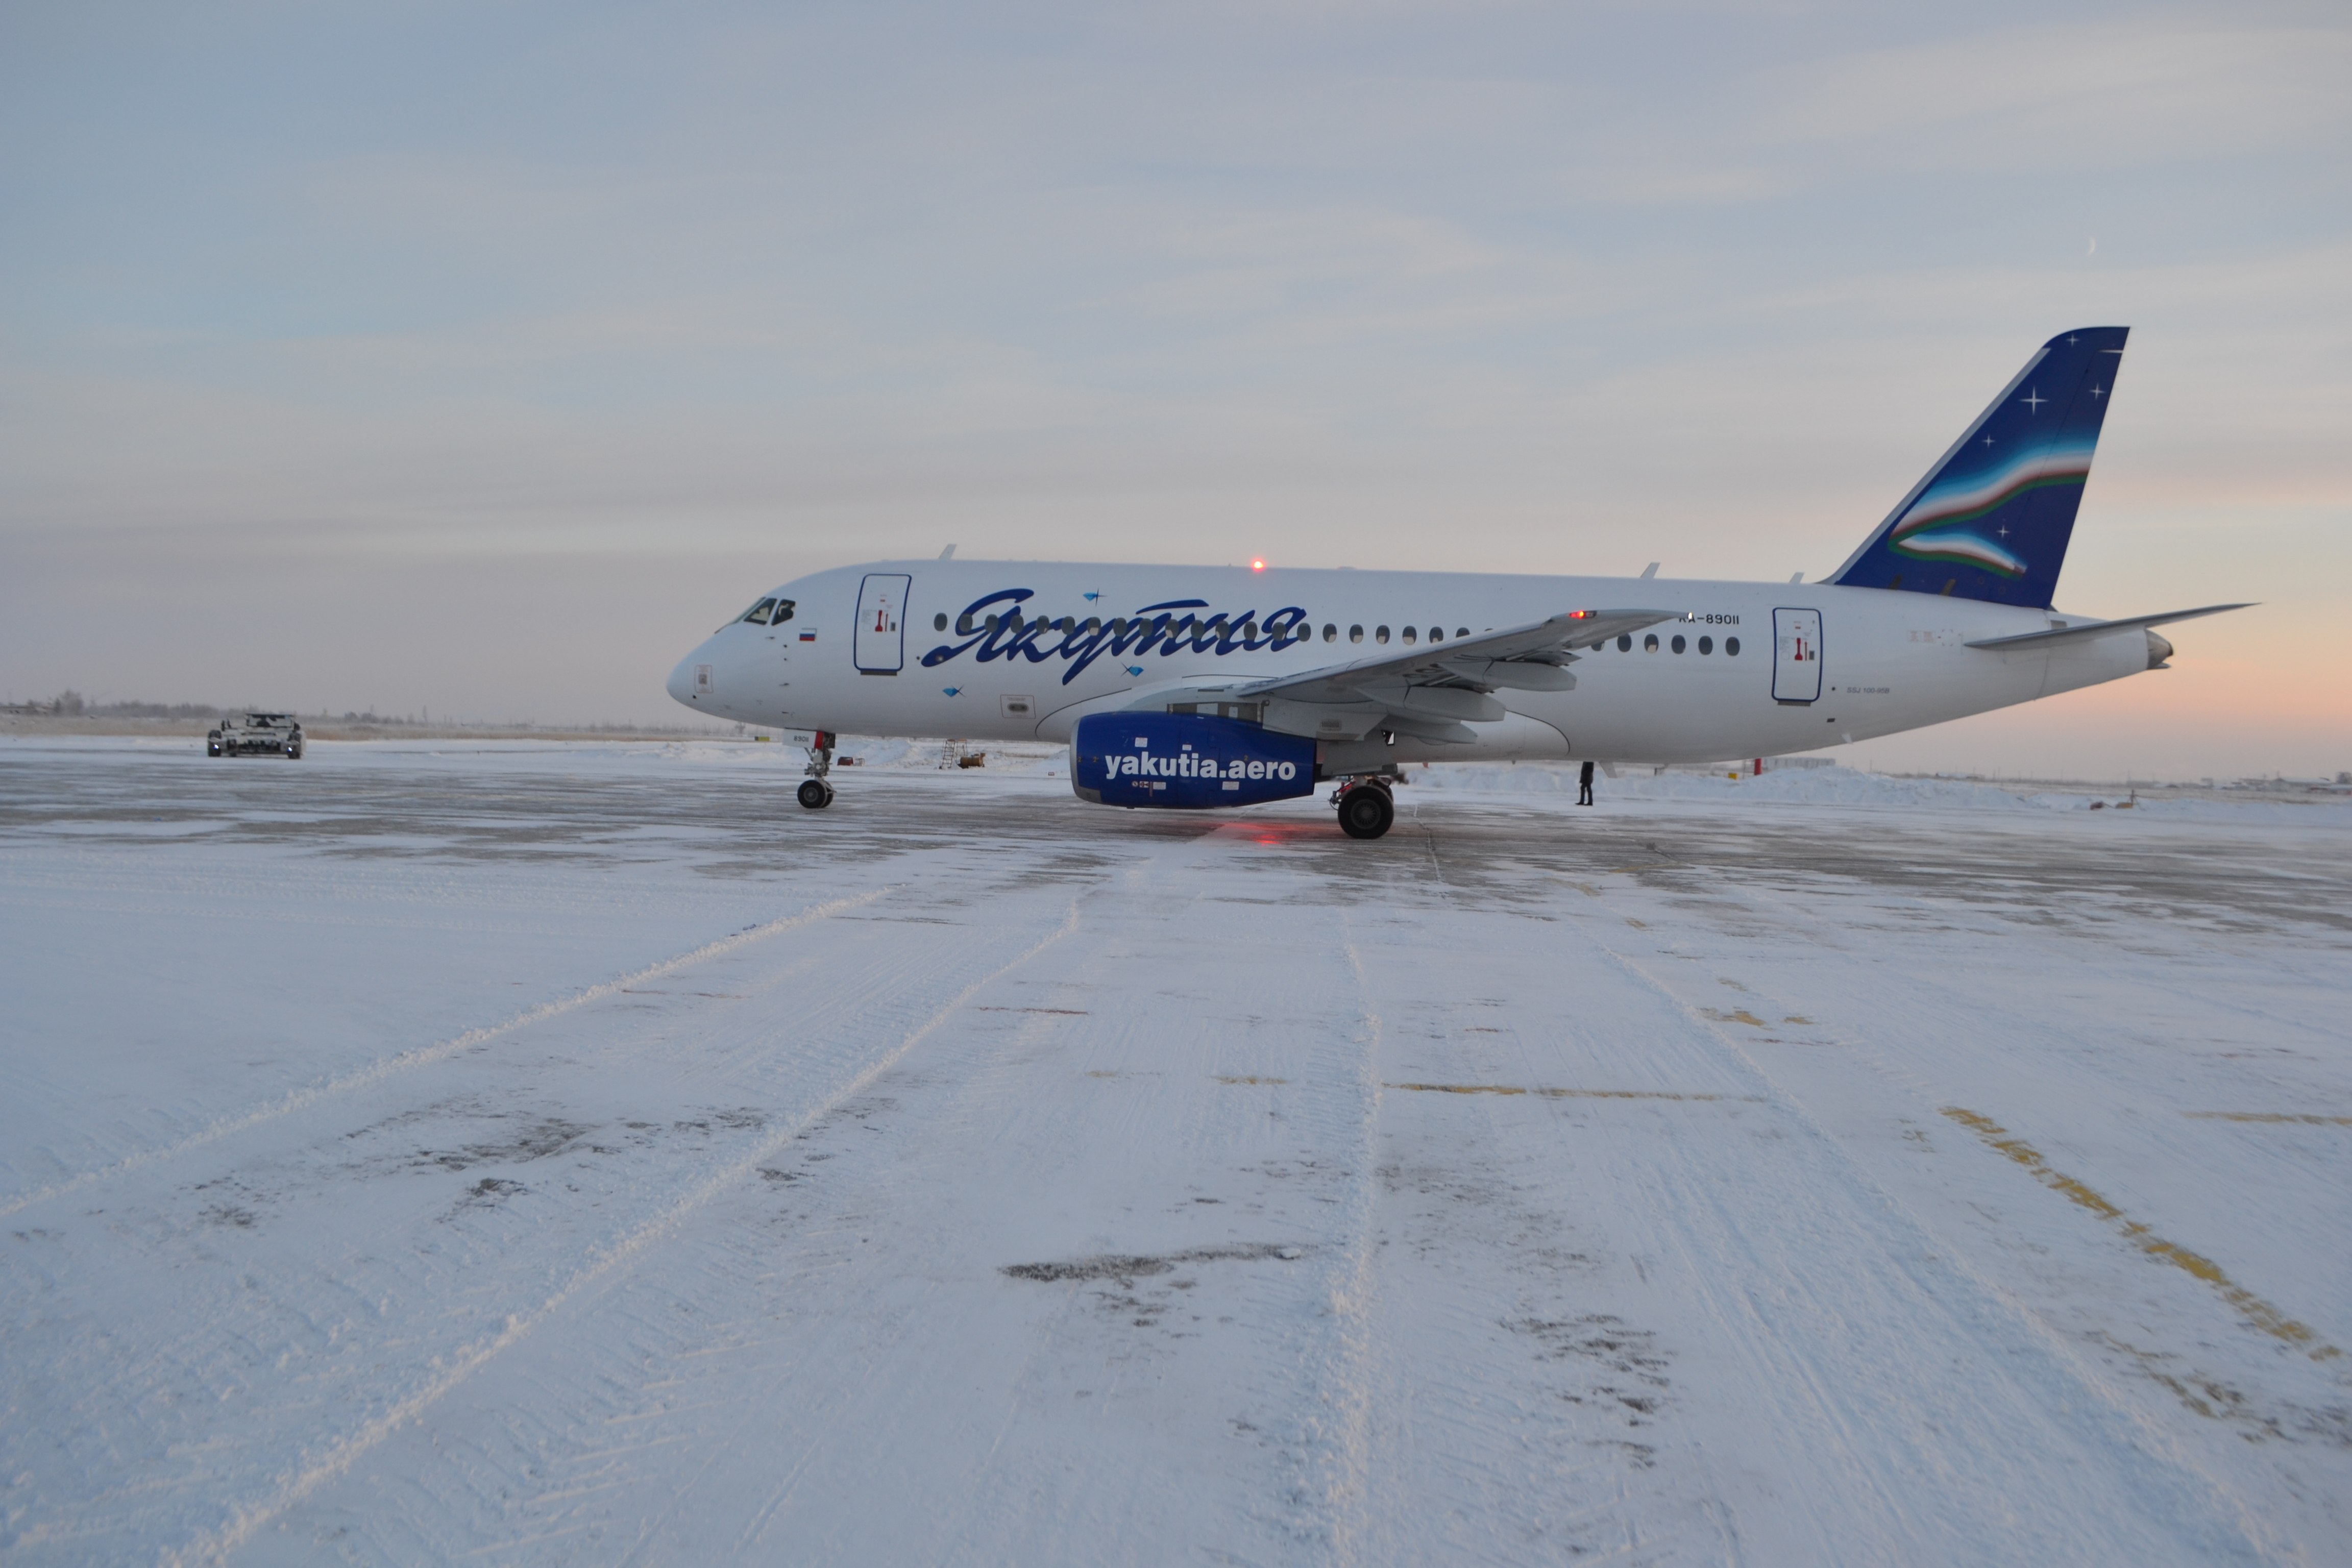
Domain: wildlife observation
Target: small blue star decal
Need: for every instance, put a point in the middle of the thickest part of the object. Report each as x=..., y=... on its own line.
x=1093, y=596
x=952, y=691
x=1135, y=670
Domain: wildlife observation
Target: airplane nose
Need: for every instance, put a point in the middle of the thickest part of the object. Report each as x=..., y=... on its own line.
x=682, y=680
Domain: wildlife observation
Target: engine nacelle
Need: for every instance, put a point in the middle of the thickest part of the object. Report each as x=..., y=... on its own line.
x=1186, y=760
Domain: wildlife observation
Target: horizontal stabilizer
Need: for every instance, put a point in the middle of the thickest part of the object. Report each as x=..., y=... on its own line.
x=2084, y=630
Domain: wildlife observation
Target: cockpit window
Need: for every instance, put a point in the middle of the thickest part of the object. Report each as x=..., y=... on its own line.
x=783, y=611
x=758, y=614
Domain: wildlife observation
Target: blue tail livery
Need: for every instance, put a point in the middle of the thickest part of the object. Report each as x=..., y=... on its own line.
x=1992, y=518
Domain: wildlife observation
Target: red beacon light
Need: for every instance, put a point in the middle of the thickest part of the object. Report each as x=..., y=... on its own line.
x=1581, y=615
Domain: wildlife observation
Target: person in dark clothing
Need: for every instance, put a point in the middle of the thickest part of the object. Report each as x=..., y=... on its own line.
x=1584, y=785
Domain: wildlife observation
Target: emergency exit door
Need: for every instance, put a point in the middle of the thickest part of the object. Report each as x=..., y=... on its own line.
x=880, y=644
x=1796, y=656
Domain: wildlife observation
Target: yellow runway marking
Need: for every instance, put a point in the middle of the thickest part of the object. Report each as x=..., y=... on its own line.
x=2268, y=1116
x=1221, y=1078
x=2259, y=1312
x=1742, y=1016
x=1567, y=1093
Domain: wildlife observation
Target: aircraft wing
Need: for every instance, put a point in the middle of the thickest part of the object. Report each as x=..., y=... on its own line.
x=1435, y=693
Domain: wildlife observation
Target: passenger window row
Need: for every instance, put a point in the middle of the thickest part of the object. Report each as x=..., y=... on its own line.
x=1119, y=627
x=1409, y=635
x=1705, y=645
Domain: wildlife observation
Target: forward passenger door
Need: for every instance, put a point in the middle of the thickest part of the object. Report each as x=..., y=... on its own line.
x=880, y=644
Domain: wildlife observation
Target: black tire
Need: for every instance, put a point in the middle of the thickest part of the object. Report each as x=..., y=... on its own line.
x=815, y=794
x=1366, y=812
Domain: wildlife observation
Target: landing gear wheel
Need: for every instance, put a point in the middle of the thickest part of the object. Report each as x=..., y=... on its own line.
x=1366, y=812
x=815, y=794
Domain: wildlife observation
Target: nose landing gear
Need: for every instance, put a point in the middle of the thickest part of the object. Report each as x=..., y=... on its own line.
x=1366, y=807
x=815, y=794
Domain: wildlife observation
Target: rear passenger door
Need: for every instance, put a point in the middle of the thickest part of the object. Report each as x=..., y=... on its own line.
x=1796, y=656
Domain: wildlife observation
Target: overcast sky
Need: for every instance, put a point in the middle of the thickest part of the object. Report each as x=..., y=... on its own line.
x=483, y=357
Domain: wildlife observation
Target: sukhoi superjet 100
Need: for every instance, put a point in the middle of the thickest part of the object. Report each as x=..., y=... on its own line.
x=1193, y=687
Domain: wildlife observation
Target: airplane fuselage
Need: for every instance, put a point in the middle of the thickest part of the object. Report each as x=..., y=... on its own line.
x=1018, y=650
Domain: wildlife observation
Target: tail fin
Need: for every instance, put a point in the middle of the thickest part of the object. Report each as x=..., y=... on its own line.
x=1992, y=519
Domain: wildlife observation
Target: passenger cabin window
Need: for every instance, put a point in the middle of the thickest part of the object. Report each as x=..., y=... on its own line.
x=1625, y=644
x=1381, y=633
x=1355, y=633
x=1331, y=632
x=1437, y=634
x=1731, y=647
x=1679, y=645
x=1410, y=636
x=939, y=622
x=1706, y=645
x=758, y=614
x=1650, y=643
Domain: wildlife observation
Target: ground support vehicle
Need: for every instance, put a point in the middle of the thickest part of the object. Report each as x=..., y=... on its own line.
x=255, y=735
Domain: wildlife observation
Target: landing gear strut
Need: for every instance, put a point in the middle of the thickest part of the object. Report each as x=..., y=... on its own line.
x=1366, y=807
x=814, y=793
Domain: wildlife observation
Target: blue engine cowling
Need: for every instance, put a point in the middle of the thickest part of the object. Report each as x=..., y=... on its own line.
x=1186, y=760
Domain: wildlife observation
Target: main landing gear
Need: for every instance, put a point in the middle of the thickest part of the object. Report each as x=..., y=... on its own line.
x=814, y=793
x=1366, y=807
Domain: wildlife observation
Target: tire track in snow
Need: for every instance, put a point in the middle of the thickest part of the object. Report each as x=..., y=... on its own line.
x=2175, y=1494
x=1340, y=1376
x=247, y=1521
x=425, y=1056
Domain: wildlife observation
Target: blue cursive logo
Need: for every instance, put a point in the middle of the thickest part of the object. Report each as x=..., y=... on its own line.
x=1171, y=626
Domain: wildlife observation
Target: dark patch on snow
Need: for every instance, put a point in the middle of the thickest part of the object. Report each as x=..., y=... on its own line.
x=1598, y=1339
x=489, y=1192
x=1124, y=1268
x=550, y=1135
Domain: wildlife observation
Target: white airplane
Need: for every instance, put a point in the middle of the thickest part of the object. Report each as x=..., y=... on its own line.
x=1192, y=687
